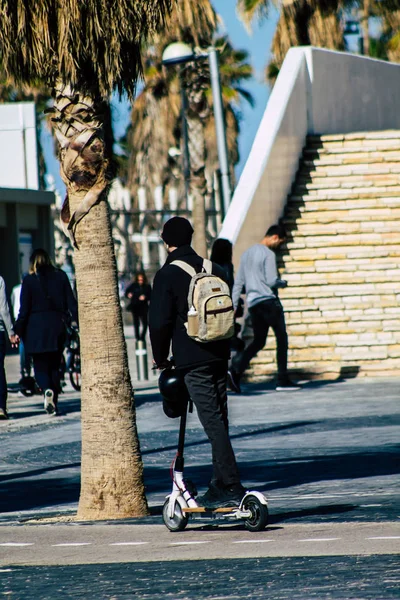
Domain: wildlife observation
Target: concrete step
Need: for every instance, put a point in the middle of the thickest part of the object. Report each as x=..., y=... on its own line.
x=346, y=228
x=360, y=190
x=339, y=277
x=294, y=214
x=333, y=240
x=352, y=159
x=371, y=321
x=344, y=171
x=346, y=181
x=298, y=203
x=338, y=266
x=329, y=252
x=348, y=145
x=371, y=135
x=335, y=211
x=338, y=148
x=338, y=193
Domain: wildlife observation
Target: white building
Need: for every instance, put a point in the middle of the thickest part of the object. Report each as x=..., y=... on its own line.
x=25, y=221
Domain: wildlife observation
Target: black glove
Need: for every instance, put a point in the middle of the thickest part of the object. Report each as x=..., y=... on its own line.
x=164, y=364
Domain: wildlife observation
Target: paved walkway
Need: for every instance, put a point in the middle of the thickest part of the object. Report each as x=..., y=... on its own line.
x=326, y=453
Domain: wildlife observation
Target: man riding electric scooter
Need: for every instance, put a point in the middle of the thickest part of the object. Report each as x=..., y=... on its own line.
x=202, y=365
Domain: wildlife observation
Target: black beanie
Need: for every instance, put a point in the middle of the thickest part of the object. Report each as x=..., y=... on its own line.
x=177, y=232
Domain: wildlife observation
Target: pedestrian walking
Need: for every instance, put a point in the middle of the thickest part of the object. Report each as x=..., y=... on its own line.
x=221, y=254
x=139, y=293
x=47, y=304
x=5, y=328
x=203, y=365
x=258, y=275
x=24, y=358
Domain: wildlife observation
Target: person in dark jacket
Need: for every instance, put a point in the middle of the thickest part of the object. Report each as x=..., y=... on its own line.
x=47, y=303
x=139, y=294
x=203, y=365
x=221, y=254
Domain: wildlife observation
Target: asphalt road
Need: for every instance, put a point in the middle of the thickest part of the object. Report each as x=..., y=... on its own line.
x=101, y=543
x=305, y=578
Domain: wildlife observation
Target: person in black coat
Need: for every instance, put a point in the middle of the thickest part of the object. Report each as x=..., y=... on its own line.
x=221, y=254
x=139, y=294
x=203, y=365
x=47, y=304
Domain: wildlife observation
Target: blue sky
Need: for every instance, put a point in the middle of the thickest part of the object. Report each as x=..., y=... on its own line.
x=257, y=44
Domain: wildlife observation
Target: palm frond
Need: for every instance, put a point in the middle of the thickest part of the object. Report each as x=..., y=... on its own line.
x=94, y=46
x=191, y=22
x=252, y=10
x=303, y=23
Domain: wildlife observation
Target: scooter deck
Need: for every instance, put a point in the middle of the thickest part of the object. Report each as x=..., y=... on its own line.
x=203, y=509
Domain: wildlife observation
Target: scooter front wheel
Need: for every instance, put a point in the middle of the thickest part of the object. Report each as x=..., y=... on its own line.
x=178, y=521
x=259, y=514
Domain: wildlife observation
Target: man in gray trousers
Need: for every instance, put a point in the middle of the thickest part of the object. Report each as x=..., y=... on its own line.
x=258, y=275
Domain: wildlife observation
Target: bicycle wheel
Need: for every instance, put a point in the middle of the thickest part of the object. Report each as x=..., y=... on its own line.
x=75, y=373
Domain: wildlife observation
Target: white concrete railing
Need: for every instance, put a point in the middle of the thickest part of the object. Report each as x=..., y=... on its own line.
x=317, y=91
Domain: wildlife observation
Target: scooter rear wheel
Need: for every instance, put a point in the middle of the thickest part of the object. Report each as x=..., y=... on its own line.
x=178, y=521
x=259, y=514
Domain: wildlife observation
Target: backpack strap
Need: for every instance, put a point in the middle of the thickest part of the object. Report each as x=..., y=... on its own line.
x=207, y=266
x=185, y=267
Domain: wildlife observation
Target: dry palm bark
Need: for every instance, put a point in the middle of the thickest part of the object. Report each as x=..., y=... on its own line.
x=83, y=56
x=304, y=23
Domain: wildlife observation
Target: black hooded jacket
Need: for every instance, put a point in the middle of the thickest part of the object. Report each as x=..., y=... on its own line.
x=168, y=314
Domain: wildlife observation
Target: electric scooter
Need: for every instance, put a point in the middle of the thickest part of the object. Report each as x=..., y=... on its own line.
x=181, y=505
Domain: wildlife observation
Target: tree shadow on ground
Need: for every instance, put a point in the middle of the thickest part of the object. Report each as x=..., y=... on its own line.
x=21, y=492
x=66, y=406
x=38, y=493
x=233, y=436
x=289, y=473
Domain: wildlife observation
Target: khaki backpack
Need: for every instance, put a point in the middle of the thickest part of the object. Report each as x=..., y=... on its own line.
x=211, y=314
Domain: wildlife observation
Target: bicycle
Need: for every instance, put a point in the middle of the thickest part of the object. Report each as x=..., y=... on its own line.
x=73, y=362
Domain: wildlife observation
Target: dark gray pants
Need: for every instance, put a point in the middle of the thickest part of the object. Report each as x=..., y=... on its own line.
x=263, y=316
x=3, y=381
x=47, y=372
x=207, y=389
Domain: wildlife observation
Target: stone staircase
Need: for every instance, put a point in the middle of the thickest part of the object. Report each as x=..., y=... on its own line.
x=342, y=260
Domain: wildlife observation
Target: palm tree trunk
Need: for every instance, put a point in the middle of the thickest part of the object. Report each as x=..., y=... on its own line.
x=198, y=182
x=366, y=11
x=112, y=471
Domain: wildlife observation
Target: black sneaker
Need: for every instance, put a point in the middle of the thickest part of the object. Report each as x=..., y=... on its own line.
x=222, y=497
x=286, y=385
x=234, y=381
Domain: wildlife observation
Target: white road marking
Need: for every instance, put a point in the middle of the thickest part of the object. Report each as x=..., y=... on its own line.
x=72, y=544
x=188, y=543
x=16, y=544
x=252, y=541
x=320, y=540
x=128, y=543
x=384, y=537
x=336, y=495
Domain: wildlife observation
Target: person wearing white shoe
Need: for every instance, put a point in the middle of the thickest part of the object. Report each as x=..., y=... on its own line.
x=49, y=405
x=47, y=304
x=258, y=275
